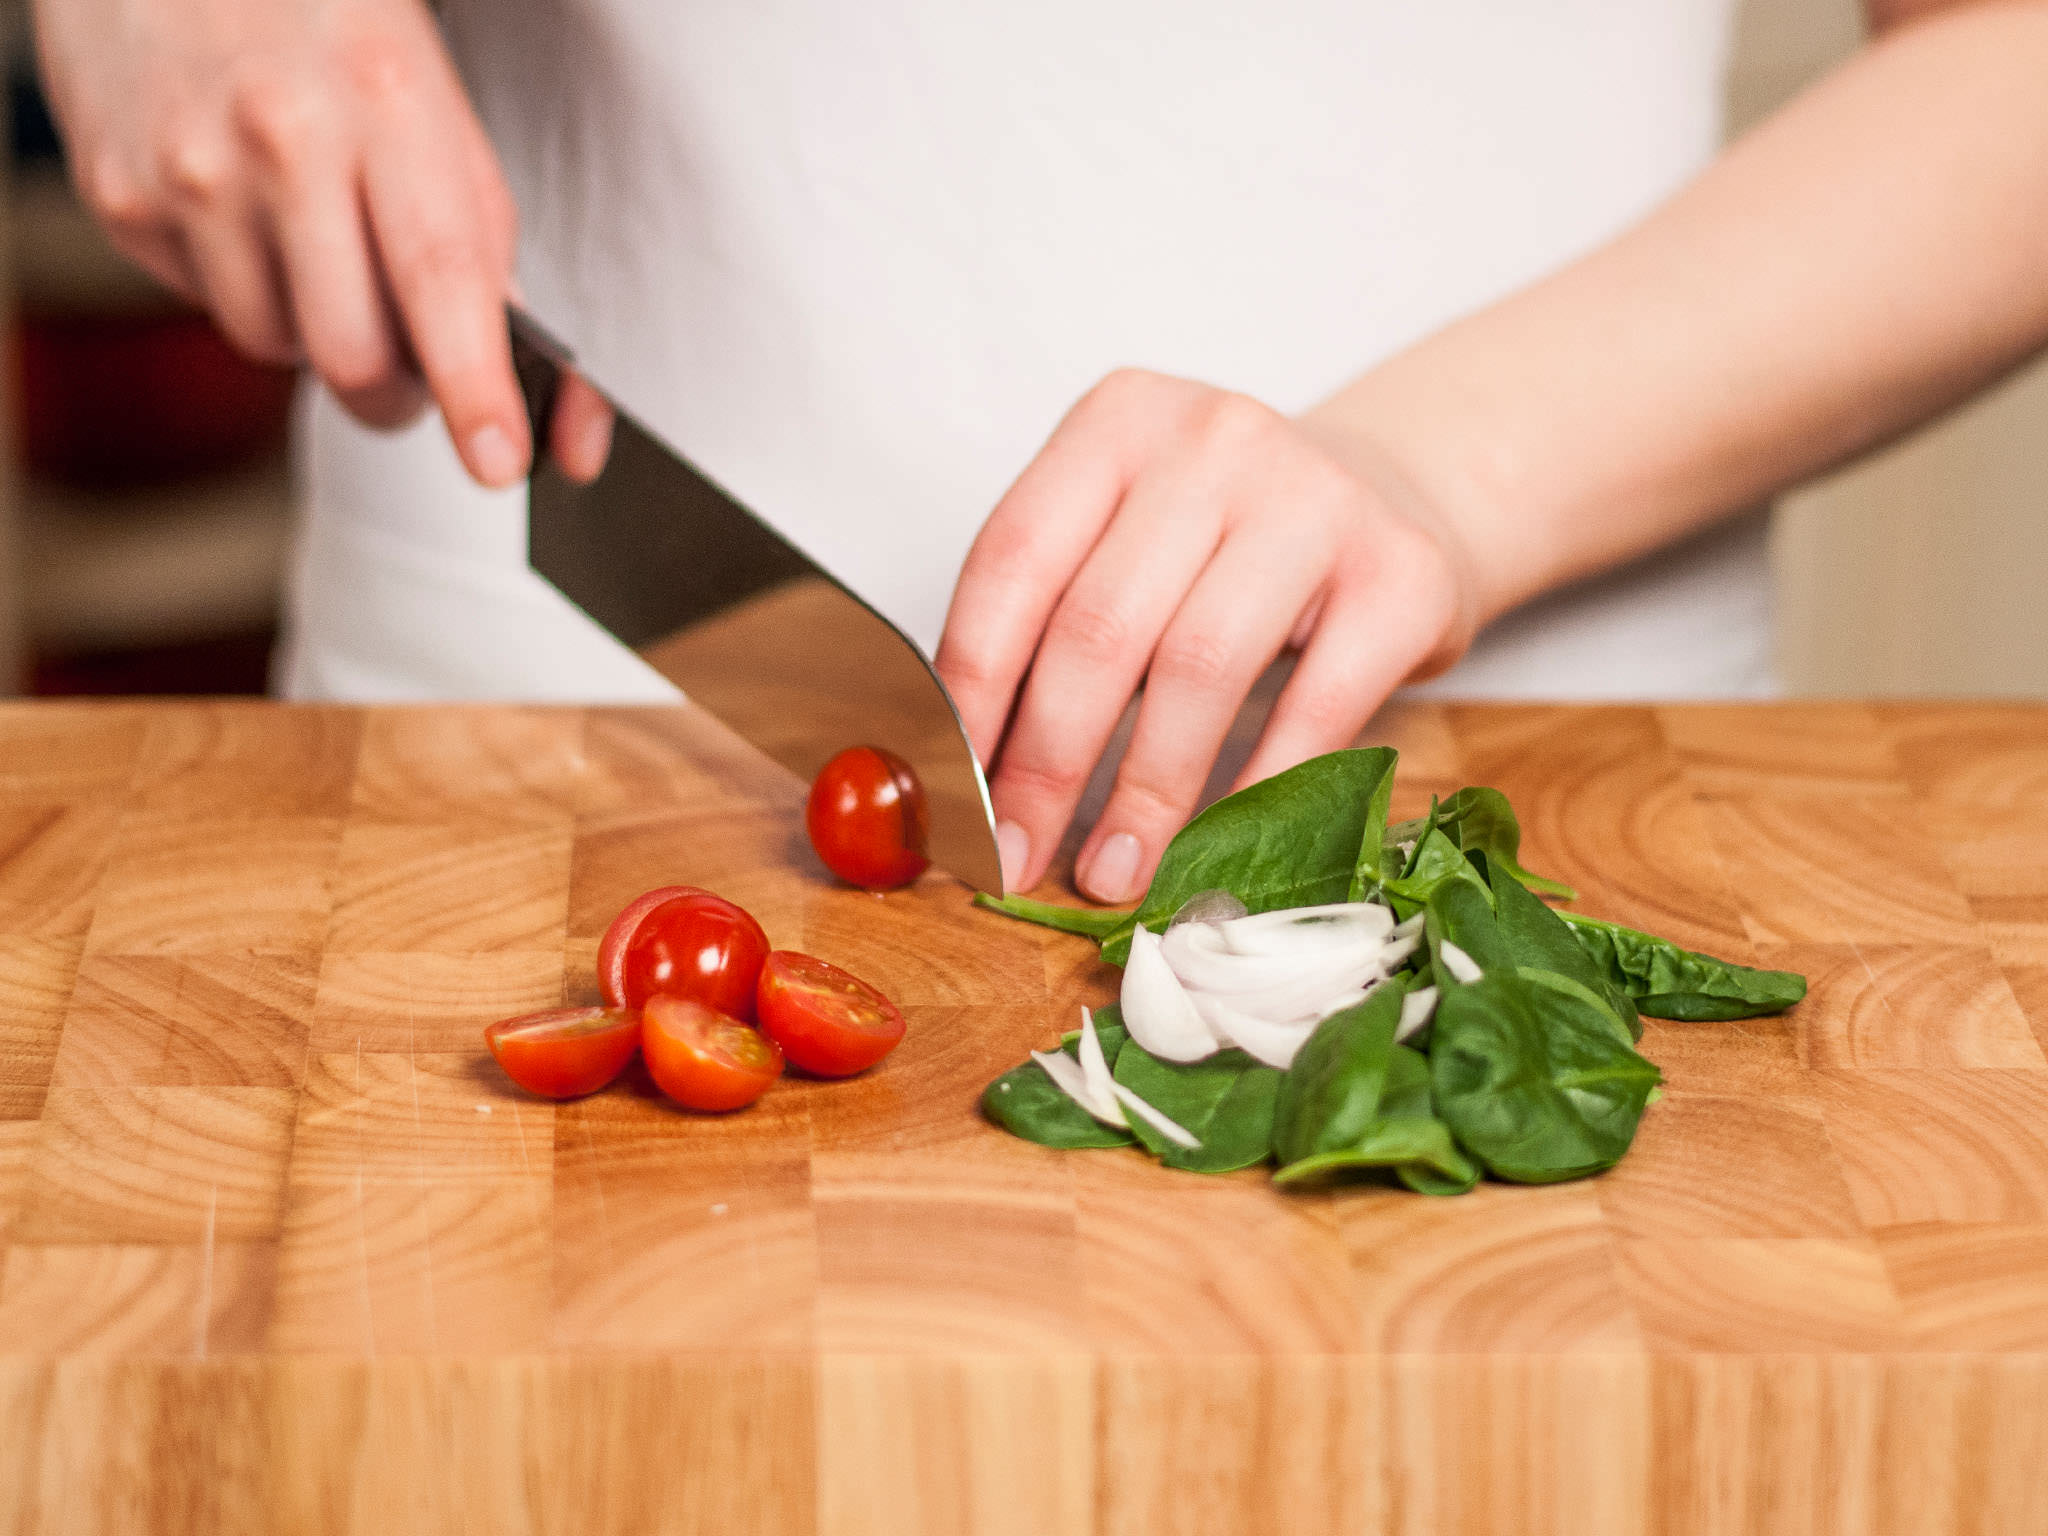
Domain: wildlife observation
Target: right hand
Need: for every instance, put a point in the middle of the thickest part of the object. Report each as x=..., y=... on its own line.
x=311, y=172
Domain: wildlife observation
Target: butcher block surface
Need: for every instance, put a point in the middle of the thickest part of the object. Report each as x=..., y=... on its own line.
x=284, y=1252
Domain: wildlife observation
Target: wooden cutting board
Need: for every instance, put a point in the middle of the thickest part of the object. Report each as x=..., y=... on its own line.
x=283, y=1252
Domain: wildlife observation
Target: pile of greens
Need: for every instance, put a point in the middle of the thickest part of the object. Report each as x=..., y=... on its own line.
x=1528, y=1070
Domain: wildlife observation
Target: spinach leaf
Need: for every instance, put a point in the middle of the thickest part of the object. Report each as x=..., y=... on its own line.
x=1095, y=922
x=1405, y=1137
x=1480, y=821
x=1535, y=1082
x=1437, y=861
x=1668, y=982
x=1462, y=912
x=1539, y=938
x=1372, y=866
x=1027, y=1103
x=1294, y=840
x=1225, y=1101
x=1332, y=1092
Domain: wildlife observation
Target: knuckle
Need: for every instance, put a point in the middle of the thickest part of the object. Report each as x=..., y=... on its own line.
x=353, y=366
x=440, y=263
x=1122, y=389
x=115, y=196
x=1043, y=778
x=193, y=162
x=1144, y=799
x=1194, y=662
x=1091, y=632
x=1232, y=421
x=381, y=67
x=278, y=119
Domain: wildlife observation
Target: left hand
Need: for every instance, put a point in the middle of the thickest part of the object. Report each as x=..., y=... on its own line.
x=1178, y=537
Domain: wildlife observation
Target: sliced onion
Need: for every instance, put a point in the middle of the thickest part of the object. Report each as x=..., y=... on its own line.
x=1156, y=1008
x=1417, y=1009
x=1292, y=929
x=1094, y=1065
x=1202, y=971
x=1191, y=939
x=1211, y=906
x=1398, y=950
x=1408, y=928
x=1172, y=1130
x=1461, y=965
x=1073, y=1082
x=1273, y=1043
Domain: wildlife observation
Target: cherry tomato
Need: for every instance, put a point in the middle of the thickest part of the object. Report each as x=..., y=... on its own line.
x=827, y=1021
x=689, y=943
x=704, y=1059
x=867, y=819
x=566, y=1052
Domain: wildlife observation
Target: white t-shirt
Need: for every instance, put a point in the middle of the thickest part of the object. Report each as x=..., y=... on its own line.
x=857, y=260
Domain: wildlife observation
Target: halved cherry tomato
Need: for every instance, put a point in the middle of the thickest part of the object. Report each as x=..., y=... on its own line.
x=867, y=819
x=689, y=943
x=704, y=1059
x=826, y=1020
x=565, y=1052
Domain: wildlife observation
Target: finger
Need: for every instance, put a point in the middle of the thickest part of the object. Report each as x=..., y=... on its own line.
x=1096, y=647
x=448, y=284
x=580, y=431
x=1235, y=621
x=305, y=174
x=241, y=279
x=1034, y=542
x=1375, y=634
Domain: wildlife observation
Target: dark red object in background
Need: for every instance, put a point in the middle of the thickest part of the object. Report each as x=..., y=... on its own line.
x=122, y=400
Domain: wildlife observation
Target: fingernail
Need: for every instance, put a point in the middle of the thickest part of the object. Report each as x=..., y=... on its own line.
x=1013, y=844
x=1114, y=869
x=493, y=456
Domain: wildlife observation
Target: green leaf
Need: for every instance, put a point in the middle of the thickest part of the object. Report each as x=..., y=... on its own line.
x=1371, y=866
x=1462, y=912
x=1539, y=938
x=1225, y=1101
x=1095, y=922
x=1027, y=1103
x=1668, y=982
x=1480, y=820
x=1535, y=1082
x=1332, y=1092
x=1405, y=1137
x=1294, y=840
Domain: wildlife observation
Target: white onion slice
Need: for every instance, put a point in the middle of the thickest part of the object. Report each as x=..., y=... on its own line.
x=1417, y=1009
x=1094, y=1065
x=1190, y=939
x=1172, y=1130
x=1201, y=971
x=1156, y=1008
x=1275, y=1044
x=1398, y=950
x=1461, y=965
x=1291, y=929
x=1073, y=1082
x=1409, y=928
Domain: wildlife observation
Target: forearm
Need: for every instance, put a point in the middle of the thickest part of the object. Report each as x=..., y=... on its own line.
x=1870, y=256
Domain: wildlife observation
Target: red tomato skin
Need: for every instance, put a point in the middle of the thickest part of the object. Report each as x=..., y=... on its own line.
x=679, y=1037
x=694, y=944
x=828, y=1021
x=611, y=950
x=568, y=1065
x=867, y=819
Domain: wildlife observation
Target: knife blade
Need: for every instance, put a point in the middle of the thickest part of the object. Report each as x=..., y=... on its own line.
x=742, y=621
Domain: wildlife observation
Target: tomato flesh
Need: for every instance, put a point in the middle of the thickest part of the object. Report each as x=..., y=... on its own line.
x=867, y=819
x=689, y=943
x=827, y=1021
x=704, y=1059
x=565, y=1052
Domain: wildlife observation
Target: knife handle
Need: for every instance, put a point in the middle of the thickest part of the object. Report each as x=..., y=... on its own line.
x=538, y=359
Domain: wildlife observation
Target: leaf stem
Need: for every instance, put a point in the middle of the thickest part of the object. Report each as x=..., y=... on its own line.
x=1095, y=922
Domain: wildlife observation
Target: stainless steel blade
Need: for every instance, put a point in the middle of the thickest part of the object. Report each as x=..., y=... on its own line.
x=742, y=621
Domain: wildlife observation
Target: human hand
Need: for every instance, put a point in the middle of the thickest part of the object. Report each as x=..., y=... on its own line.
x=1178, y=536
x=311, y=172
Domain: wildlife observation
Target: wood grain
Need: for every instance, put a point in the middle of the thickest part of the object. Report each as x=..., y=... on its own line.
x=281, y=1251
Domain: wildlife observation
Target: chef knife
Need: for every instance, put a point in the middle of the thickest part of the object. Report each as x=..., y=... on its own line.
x=742, y=621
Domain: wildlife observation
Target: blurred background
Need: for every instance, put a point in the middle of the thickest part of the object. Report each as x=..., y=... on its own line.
x=144, y=509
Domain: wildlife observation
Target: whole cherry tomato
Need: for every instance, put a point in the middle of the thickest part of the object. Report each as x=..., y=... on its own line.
x=867, y=819
x=689, y=943
x=566, y=1052
x=704, y=1059
x=827, y=1021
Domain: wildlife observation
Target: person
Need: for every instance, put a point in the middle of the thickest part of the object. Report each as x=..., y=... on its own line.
x=1459, y=338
